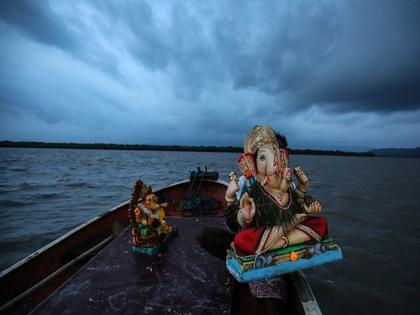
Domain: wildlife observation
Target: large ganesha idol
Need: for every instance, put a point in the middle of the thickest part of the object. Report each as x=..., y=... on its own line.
x=280, y=229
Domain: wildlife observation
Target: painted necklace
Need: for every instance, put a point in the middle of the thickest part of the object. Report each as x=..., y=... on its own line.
x=275, y=200
x=147, y=212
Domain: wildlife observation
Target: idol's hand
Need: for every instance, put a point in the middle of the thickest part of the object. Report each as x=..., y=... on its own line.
x=233, y=187
x=285, y=180
x=314, y=207
x=248, y=208
x=164, y=205
x=300, y=217
x=287, y=174
x=303, y=180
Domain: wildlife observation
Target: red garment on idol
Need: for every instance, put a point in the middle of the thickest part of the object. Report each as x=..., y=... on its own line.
x=246, y=242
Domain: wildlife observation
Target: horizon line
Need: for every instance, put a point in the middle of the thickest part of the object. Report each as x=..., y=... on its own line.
x=164, y=147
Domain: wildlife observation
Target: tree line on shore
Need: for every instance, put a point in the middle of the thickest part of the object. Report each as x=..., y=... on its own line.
x=156, y=147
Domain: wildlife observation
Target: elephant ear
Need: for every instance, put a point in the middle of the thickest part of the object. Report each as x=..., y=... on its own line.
x=247, y=165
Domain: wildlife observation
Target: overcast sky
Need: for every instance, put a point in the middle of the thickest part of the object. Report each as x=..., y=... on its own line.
x=327, y=74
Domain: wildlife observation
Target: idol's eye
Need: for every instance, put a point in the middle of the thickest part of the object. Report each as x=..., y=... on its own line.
x=262, y=157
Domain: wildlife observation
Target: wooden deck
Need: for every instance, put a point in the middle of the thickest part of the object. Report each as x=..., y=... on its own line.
x=183, y=279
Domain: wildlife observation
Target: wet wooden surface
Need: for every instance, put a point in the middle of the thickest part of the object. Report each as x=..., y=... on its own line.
x=184, y=279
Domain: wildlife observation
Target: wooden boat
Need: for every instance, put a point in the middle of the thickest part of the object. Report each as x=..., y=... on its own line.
x=92, y=269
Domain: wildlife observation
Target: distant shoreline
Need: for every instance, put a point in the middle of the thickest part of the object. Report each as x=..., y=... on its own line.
x=153, y=147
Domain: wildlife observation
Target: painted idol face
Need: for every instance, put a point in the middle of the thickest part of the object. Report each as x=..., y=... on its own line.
x=271, y=163
x=150, y=201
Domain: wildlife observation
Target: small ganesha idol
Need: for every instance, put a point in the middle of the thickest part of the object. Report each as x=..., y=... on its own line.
x=149, y=230
x=277, y=220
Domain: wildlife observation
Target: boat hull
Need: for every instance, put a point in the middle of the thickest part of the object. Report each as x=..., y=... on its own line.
x=42, y=279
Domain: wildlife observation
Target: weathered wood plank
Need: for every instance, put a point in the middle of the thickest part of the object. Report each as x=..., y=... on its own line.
x=184, y=278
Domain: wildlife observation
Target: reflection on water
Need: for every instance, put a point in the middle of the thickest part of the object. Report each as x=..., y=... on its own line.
x=372, y=205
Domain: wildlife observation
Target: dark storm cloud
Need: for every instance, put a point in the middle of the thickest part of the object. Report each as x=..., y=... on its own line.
x=40, y=22
x=13, y=100
x=146, y=42
x=274, y=48
x=35, y=19
x=349, y=56
x=361, y=56
x=176, y=40
x=199, y=68
x=375, y=65
x=358, y=56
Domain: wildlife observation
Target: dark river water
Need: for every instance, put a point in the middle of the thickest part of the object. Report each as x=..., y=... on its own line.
x=372, y=205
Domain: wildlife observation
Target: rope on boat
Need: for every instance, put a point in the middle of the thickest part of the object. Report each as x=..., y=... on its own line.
x=197, y=203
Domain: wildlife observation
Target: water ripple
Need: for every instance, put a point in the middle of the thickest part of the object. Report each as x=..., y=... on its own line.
x=12, y=203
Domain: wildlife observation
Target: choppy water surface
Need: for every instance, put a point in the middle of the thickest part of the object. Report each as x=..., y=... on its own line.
x=372, y=205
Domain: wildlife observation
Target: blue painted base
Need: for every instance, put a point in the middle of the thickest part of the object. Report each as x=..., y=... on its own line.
x=158, y=247
x=282, y=268
x=146, y=250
